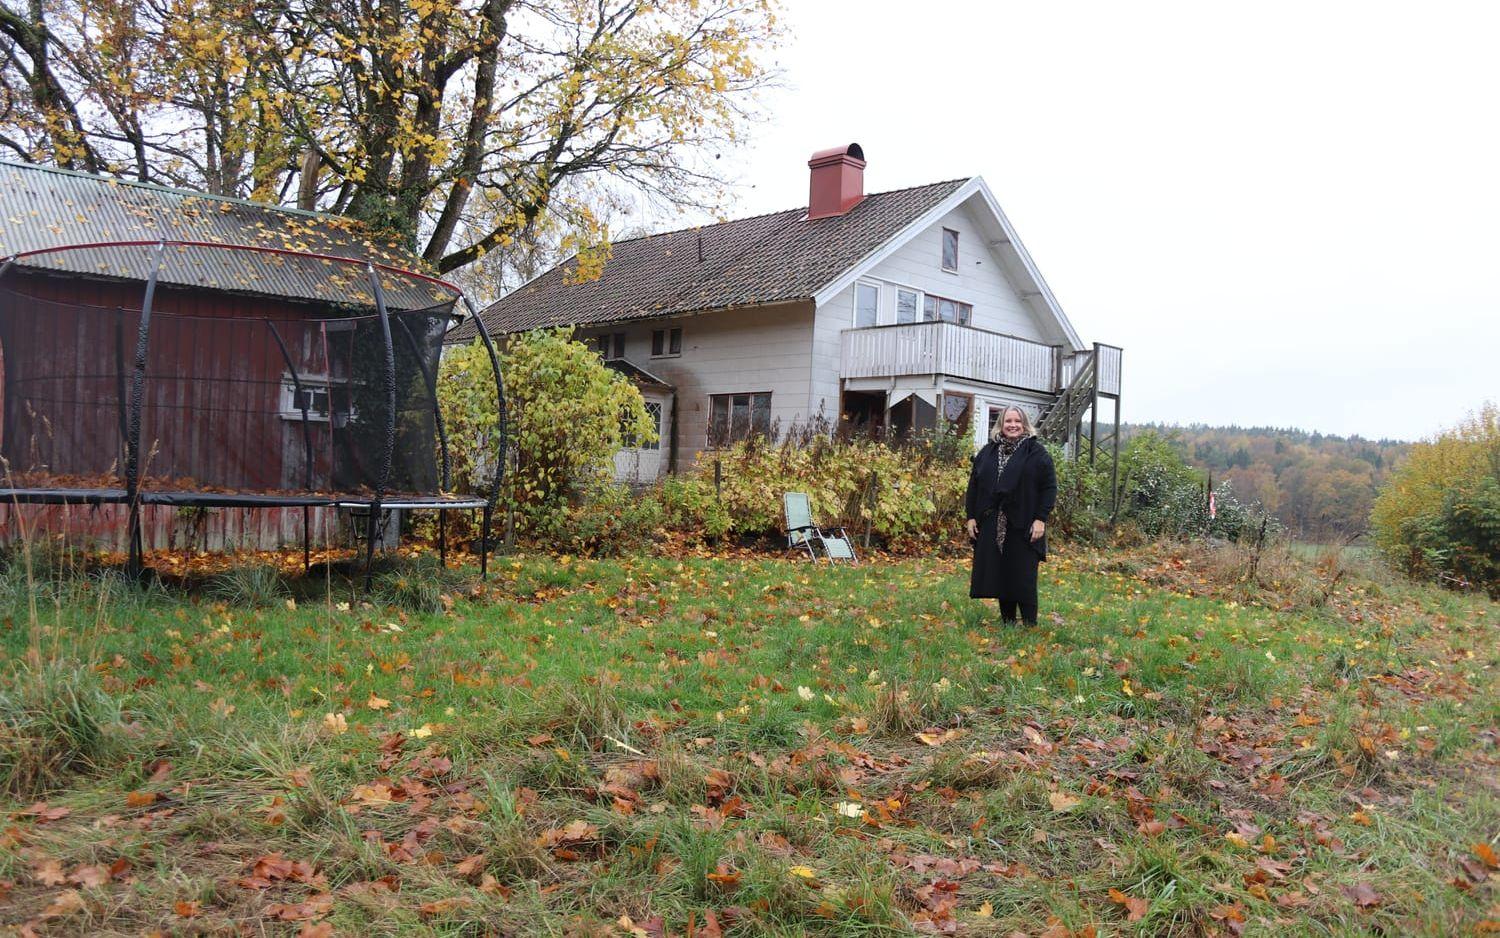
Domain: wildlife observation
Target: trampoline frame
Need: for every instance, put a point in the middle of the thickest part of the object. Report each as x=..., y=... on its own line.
x=133, y=496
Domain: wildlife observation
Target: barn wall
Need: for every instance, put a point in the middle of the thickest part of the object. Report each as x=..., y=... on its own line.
x=103, y=527
x=71, y=343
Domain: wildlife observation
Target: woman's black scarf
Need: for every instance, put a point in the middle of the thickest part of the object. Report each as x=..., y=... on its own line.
x=1011, y=464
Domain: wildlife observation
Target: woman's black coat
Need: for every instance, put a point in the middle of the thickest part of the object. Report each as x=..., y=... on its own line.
x=1034, y=494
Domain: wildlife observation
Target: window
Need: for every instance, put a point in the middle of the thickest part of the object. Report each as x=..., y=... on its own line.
x=936, y=307
x=316, y=396
x=653, y=414
x=866, y=305
x=666, y=342
x=906, y=306
x=610, y=345
x=734, y=417
x=950, y=249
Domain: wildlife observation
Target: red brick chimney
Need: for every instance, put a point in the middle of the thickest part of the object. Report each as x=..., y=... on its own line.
x=838, y=181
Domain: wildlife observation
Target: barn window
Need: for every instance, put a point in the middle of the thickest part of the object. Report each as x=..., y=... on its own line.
x=319, y=396
x=950, y=249
x=734, y=417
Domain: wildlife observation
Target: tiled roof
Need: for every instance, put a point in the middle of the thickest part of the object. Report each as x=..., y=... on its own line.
x=45, y=207
x=747, y=262
x=636, y=373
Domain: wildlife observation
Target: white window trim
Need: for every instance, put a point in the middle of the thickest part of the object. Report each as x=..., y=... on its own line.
x=289, y=410
x=885, y=313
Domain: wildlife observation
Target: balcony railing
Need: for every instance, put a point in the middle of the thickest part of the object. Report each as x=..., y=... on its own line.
x=944, y=348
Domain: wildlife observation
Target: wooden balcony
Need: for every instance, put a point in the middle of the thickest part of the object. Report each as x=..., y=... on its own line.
x=945, y=348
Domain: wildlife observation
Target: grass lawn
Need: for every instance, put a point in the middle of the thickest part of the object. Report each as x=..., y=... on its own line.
x=749, y=746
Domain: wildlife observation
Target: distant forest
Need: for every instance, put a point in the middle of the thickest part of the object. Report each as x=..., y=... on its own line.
x=1320, y=486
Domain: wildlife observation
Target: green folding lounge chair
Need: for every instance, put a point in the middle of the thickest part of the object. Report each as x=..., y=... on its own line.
x=802, y=532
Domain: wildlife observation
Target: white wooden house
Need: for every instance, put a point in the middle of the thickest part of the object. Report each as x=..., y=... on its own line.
x=895, y=309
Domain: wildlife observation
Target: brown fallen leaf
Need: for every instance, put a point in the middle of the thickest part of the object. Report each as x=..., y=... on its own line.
x=187, y=908
x=936, y=737
x=64, y=904
x=49, y=872
x=1362, y=895
x=1136, y=908
x=140, y=799
x=95, y=875
x=1486, y=853
x=1062, y=801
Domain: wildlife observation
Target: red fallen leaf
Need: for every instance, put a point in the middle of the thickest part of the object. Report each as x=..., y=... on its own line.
x=724, y=876
x=1151, y=828
x=187, y=908
x=1135, y=907
x=1362, y=895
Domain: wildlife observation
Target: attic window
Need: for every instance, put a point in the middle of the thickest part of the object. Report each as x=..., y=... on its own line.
x=950, y=250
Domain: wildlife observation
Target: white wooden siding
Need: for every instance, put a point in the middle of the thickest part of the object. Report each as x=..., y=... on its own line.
x=734, y=351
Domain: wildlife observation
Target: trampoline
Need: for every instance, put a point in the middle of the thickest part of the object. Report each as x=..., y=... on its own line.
x=190, y=374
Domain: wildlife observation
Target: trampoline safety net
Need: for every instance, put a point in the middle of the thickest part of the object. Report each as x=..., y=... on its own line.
x=200, y=374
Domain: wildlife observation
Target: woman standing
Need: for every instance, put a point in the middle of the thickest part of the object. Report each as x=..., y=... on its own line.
x=1012, y=487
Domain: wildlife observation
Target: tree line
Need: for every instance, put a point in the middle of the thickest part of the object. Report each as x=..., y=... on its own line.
x=1321, y=486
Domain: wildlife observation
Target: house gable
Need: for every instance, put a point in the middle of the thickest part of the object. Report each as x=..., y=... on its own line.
x=971, y=206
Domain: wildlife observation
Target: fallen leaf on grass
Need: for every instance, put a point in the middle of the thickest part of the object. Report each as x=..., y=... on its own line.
x=1062, y=801
x=468, y=866
x=140, y=799
x=1486, y=853
x=187, y=908
x=442, y=906
x=64, y=904
x=377, y=703
x=1362, y=895
x=316, y=929
x=804, y=872
x=44, y=812
x=1134, y=906
x=96, y=875
x=49, y=872
x=936, y=737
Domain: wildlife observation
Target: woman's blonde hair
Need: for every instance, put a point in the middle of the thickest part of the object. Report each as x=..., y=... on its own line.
x=1026, y=429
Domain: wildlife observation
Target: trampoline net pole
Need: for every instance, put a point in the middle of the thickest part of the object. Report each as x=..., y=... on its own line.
x=137, y=401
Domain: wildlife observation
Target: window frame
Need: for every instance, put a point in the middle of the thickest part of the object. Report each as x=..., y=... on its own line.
x=732, y=436
x=311, y=384
x=943, y=250
x=666, y=342
x=610, y=346
x=628, y=440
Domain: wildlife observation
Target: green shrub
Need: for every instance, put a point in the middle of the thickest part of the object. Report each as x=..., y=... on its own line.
x=904, y=493
x=56, y=722
x=607, y=519
x=690, y=504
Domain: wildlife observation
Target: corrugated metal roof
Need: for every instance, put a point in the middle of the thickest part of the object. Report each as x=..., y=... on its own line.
x=44, y=207
x=754, y=261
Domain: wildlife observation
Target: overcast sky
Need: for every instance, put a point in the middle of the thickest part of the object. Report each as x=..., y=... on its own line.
x=1287, y=214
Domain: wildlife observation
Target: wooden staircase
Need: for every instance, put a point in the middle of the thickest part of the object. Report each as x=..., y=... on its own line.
x=1057, y=419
